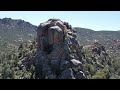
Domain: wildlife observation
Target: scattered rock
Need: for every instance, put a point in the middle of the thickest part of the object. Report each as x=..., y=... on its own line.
x=76, y=62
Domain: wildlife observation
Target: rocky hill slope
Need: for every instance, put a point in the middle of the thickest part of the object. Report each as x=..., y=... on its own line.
x=59, y=51
x=87, y=36
x=15, y=31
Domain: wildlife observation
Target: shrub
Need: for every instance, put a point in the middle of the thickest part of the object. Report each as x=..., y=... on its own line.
x=99, y=75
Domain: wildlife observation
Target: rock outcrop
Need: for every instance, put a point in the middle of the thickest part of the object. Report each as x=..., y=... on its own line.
x=58, y=53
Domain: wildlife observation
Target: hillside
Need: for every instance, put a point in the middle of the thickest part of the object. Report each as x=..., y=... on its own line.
x=95, y=60
x=15, y=31
x=87, y=36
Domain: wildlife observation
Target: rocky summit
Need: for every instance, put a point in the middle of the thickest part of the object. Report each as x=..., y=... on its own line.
x=58, y=54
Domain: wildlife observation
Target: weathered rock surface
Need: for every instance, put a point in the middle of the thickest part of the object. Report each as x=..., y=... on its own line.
x=58, y=53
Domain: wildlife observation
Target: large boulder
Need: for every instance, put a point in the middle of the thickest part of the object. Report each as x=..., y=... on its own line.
x=76, y=62
x=55, y=35
x=60, y=24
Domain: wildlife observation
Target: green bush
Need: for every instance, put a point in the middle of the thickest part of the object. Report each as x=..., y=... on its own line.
x=102, y=74
x=90, y=68
x=99, y=75
x=9, y=58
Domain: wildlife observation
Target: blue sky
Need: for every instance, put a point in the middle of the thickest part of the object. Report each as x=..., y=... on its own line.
x=96, y=20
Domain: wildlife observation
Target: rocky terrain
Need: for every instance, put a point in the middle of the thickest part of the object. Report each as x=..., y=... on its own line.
x=15, y=31
x=88, y=36
x=58, y=55
x=56, y=50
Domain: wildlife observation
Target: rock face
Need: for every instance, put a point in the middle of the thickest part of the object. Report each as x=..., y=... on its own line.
x=58, y=53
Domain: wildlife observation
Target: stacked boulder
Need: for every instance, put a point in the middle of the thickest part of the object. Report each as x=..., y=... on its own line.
x=58, y=53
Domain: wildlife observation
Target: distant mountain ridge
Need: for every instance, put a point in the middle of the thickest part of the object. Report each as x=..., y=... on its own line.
x=86, y=36
x=15, y=30
x=11, y=30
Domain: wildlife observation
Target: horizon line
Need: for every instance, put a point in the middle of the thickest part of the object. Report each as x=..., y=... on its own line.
x=68, y=22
